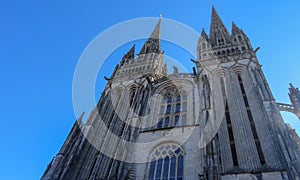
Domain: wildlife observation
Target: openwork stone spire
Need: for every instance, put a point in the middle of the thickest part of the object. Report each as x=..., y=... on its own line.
x=152, y=45
x=218, y=30
x=235, y=29
x=128, y=56
x=204, y=35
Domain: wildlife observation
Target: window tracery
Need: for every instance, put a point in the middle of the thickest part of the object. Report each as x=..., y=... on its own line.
x=173, y=110
x=166, y=162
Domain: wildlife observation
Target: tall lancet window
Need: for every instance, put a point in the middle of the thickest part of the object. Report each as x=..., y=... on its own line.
x=132, y=95
x=251, y=121
x=166, y=162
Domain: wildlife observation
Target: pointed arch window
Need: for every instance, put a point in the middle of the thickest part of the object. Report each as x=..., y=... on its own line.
x=168, y=110
x=160, y=122
x=177, y=108
x=178, y=99
x=166, y=162
x=169, y=100
x=167, y=122
x=240, y=38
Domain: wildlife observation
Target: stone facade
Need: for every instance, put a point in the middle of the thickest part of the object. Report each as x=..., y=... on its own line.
x=220, y=122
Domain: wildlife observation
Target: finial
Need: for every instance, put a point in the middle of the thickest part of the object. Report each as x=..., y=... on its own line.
x=160, y=16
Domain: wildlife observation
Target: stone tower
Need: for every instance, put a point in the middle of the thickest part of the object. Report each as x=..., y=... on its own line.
x=219, y=122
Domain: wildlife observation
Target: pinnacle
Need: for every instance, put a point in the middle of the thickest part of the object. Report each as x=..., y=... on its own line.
x=203, y=33
x=130, y=53
x=128, y=56
x=217, y=28
x=235, y=29
x=153, y=42
x=156, y=32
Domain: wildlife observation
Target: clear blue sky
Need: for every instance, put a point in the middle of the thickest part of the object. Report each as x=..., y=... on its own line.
x=41, y=42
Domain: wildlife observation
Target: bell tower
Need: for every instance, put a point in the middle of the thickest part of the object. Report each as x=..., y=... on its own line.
x=248, y=138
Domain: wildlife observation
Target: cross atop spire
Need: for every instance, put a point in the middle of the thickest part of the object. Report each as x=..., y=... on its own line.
x=153, y=42
x=217, y=28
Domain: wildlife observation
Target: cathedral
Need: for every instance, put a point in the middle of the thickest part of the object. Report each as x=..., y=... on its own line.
x=219, y=122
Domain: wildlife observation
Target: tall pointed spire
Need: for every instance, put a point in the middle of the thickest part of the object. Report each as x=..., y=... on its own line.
x=128, y=56
x=204, y=35
x=152, y=45
x=235, y=29
x=217, y=29
x=156, y=32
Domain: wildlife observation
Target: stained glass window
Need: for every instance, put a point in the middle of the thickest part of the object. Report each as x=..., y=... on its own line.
x=177, y=108
x=167, y=162
x=159, y=124
x=178, y=99
x=167, y=121
x=168, y=109
x=176, y=120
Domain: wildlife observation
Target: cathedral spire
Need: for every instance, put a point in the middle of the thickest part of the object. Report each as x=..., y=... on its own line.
x=235, y=29
x=128, y=56
x=204, y=35
x=218, y=32
x=156, y=32
x=152, y=45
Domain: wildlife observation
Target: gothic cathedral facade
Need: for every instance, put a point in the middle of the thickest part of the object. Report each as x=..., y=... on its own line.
x=219, y=122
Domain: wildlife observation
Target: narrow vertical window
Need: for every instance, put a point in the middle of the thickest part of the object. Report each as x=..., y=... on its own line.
x=159, y=168
x=173, y=168
x=177, y=108
x=178, y=99
x=180, y=167
x=159, y=124
x=167, y=121
x=166, y=168
x=229, y=126
x=152, y=170
x=168, y=110
x=252, y=124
